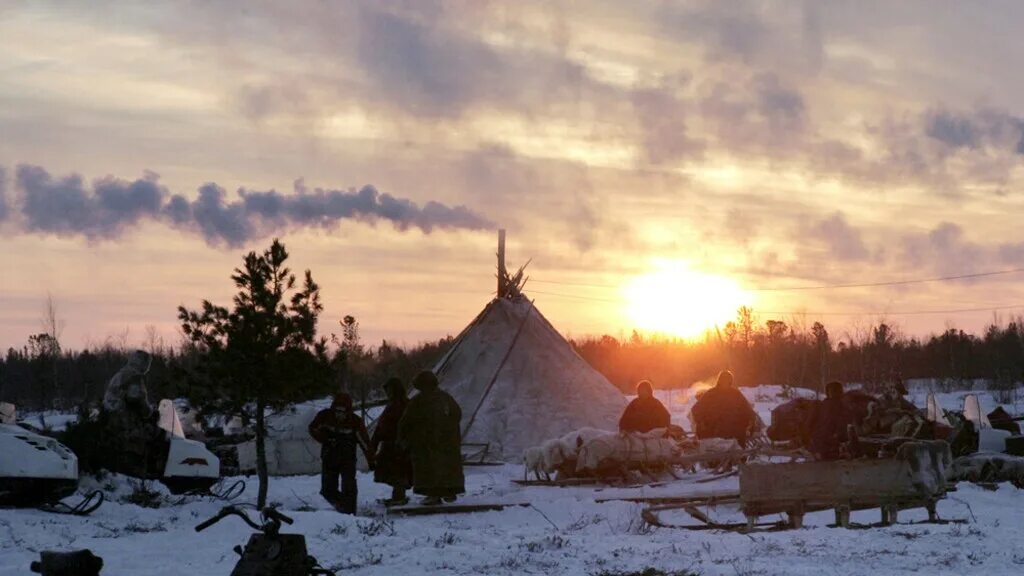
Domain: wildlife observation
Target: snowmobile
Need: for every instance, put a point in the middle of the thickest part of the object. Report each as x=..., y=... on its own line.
x=190, y=465
x=268, y=552
x=34, y=469
x=159, y=451
x=972, y=430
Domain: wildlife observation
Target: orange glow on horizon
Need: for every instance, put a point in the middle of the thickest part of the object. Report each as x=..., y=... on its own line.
x=675, y=301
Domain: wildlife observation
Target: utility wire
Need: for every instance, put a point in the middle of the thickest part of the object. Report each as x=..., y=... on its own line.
x=827, y=286
x=892, y=283
x=810, y=313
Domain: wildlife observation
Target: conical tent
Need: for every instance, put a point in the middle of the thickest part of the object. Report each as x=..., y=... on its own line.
x=519, y=382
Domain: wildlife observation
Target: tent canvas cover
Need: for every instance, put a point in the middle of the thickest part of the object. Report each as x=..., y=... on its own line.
x=520, y=383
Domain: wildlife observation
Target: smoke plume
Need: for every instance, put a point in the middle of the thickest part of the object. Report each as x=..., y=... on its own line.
x=67, y=207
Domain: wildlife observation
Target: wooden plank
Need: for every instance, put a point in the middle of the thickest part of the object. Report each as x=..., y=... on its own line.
x=419, y=510
x=834, y=481
x=466, y=507
x=712, y=498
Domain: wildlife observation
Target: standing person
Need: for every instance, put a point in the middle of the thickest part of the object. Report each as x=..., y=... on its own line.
x=393, y=465
x=338, y=429
x=723, y=412
x=134, y=442
x=430, y=431
x=645, y=412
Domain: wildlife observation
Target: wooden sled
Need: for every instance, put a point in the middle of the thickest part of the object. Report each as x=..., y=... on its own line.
x=797, y=488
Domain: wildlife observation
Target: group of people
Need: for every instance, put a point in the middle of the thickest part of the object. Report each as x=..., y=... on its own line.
x=723, y=412
x=416, y=443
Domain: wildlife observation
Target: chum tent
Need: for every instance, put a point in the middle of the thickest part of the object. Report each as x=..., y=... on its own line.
x=518, y=381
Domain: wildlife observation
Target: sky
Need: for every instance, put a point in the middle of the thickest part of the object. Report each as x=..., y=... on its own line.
x=145, y=147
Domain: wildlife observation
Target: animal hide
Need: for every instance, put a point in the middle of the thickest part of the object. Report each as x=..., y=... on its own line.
x=613, y=451
x=988, y=467
x=930, y=462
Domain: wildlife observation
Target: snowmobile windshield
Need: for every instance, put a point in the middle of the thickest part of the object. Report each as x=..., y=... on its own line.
x=972, y=412
x=169, y=420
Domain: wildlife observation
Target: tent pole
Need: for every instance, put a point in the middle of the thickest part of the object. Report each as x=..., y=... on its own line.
x=502, y=272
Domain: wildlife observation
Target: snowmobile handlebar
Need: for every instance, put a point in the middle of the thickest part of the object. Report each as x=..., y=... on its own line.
x=224, y=513
x=274, y=514
x=270, y=515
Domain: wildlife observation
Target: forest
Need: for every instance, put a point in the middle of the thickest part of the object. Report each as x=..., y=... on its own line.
x=43, y=374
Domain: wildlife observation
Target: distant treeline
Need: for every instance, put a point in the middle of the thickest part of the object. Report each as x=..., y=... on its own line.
x=777, y=352
x=41, y=374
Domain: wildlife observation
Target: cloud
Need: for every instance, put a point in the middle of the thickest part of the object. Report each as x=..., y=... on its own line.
x=946, y=249
x=420, y=61
x=3, y=194
x=976, y=129
x=67, y=207
x=843, y=240
x=662, y=115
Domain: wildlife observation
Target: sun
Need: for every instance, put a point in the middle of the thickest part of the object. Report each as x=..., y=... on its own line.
x=674, y=300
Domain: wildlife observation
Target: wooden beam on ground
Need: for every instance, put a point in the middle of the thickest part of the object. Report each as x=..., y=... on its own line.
x=416, y=510
x=462, y=508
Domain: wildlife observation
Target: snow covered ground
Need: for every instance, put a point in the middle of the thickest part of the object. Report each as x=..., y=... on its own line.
x=559, y=531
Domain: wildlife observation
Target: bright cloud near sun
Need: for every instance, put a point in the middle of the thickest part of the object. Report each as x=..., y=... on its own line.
x=674, y=300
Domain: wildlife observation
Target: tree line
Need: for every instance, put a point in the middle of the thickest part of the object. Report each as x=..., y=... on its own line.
x=43, y=374
x=773, y=351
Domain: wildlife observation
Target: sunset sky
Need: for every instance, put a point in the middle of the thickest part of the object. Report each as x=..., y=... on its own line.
x=710, y=149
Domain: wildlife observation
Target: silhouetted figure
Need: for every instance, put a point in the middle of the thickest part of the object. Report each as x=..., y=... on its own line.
x=645, y=412
x=394, y=467
x=831, y=422
x=339, y=430
x=430, y=431
x=723, y=412
x=134, y=444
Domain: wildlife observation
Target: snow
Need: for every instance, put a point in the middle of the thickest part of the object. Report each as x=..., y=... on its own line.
x=559, y=531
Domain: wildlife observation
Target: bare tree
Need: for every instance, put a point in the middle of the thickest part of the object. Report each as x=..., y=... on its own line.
x=45, y=349
x=153, y=342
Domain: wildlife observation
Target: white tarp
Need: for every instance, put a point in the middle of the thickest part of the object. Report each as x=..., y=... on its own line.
x=290, y=449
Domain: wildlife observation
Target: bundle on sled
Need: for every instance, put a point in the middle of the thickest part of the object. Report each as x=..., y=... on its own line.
x=615, y=454
x=988, y=467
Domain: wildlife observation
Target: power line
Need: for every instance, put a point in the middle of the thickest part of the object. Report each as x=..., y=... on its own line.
x=826, y=286
x=810, y=313
x=893, y=282
x=575, y=296
x=582, y=284
x=898, y=313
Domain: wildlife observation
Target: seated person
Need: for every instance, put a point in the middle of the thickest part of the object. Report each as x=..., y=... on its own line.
x=645, y=412
x=829, y=430
x=723, y=412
